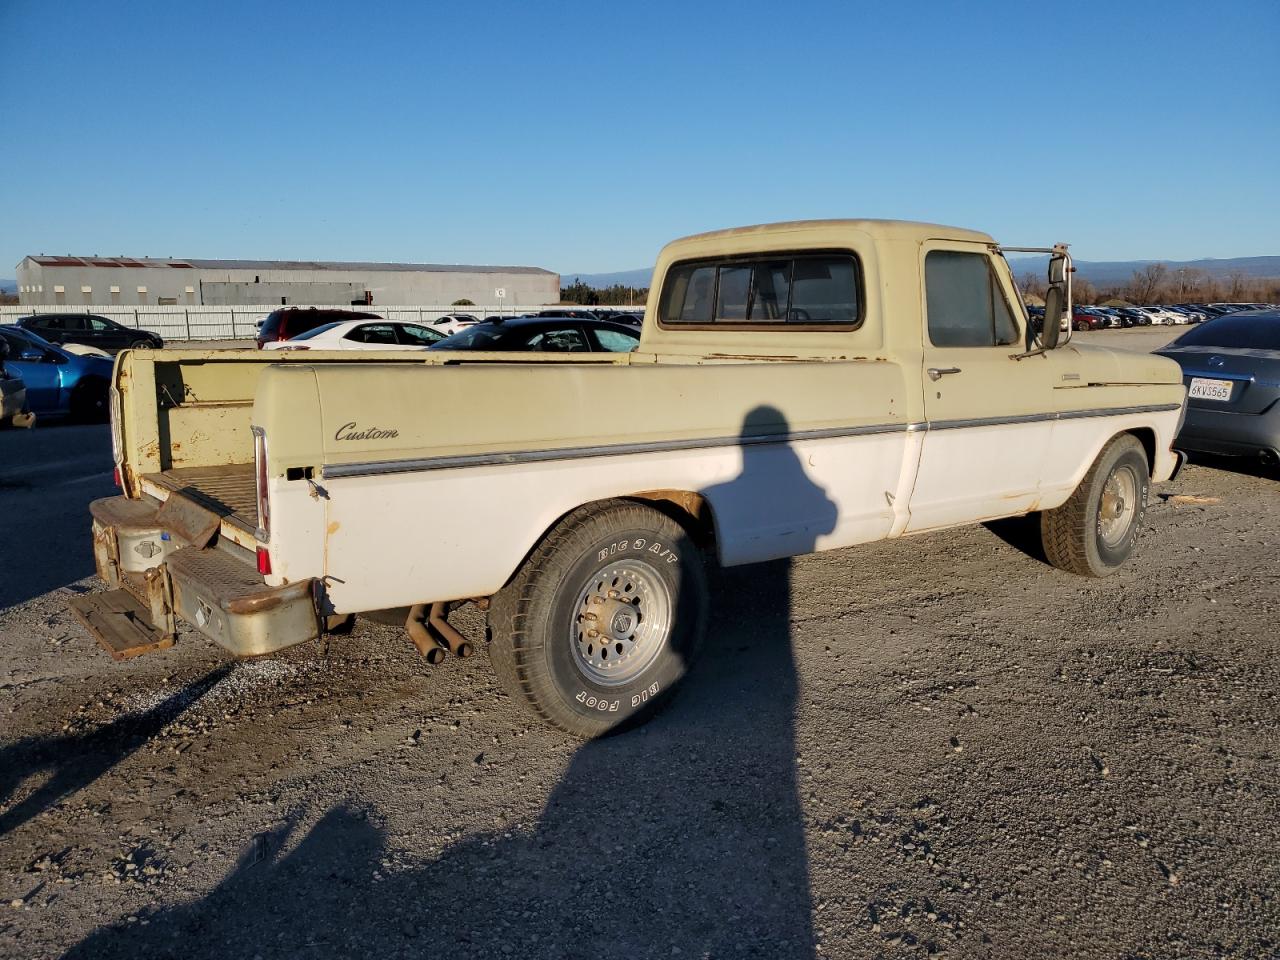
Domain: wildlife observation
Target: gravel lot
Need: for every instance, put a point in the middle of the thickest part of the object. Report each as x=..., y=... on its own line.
x=936, y=746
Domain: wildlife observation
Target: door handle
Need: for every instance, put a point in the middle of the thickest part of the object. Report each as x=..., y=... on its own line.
x=937, y=373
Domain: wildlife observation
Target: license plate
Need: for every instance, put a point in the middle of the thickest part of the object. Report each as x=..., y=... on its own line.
x=1202, y=388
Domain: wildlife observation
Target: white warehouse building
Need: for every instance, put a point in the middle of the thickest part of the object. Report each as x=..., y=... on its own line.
x=130, y=281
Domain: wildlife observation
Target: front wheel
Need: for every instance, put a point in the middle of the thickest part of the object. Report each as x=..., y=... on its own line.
x=603, y=620
x=1095, y=531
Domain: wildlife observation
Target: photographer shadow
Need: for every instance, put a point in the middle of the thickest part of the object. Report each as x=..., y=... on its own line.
x=684, y=837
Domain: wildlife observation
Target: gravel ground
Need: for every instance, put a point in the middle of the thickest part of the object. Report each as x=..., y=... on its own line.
x=937, y=746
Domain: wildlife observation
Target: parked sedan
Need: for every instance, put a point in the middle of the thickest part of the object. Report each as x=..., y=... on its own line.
x=1231, y=366
x=1134, y=317
x=89, y=329
x=288, y=322
x=1086, y=318
x=451, y=323
x=59, y=383
x=545, y=335
x=362, y=335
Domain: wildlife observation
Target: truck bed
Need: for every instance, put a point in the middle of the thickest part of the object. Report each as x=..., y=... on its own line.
x=227, y=490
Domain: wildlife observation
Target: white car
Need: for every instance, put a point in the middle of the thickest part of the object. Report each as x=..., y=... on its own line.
x=362, y=335
x=451, y=323
x=1161, y=317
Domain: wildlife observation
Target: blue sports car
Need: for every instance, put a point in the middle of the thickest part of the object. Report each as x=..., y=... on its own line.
x=59, y=384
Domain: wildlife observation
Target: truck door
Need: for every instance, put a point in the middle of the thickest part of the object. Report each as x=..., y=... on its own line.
x=989, y=416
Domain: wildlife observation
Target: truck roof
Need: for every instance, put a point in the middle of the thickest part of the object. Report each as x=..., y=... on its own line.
x=878, y=229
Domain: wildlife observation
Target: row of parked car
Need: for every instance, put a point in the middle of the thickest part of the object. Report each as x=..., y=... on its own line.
x=1178, y=314
x=59, y=365
x=558, y=330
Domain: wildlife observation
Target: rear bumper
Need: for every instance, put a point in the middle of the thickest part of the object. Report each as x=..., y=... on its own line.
x=1228, y=433
x=212, y=589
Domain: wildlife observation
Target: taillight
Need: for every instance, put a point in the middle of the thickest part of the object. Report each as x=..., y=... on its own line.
x=115, y=477
x=260, y=485
x=264, y=561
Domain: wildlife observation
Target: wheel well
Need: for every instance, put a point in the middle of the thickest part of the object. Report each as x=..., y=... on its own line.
x=1148, y=438
x=690, y=510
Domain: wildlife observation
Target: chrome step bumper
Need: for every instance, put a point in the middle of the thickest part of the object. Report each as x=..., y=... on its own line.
x=219, y=594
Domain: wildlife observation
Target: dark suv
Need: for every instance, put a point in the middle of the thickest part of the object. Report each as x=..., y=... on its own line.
x=288, y=322
x=90, y=330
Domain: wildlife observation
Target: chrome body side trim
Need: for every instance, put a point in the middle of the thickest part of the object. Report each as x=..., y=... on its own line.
x=370, y=468
x=379, y=467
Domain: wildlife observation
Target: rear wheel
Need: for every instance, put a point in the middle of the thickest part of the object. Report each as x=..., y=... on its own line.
x=601, y=623
x=1095, y=531
x=141, y=345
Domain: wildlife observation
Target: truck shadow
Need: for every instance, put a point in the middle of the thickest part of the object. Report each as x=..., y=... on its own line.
x=684, y=837
x=73, y=761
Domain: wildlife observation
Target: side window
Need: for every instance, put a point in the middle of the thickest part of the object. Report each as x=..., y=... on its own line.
x=415, y=335
x=965, y=305
x=373, y=333
x=818, y=289
x=76, y=323
x=731, y=292
x=770, y=291
x=558, y=341
x=51, y=323
x=615, y=341
x=100, y=326
x=824, y=290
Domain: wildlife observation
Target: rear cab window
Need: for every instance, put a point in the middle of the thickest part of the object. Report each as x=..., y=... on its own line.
x=781, y=290
x=1236, y=331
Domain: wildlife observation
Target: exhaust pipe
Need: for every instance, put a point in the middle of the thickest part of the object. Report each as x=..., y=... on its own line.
x=455, y=642
x=422, y=638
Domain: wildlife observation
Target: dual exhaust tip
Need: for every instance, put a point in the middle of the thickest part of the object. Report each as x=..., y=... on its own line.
x=433, y=635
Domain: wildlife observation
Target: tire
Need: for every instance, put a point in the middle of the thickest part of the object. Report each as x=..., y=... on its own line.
x=141, y=345
x=539, y=623
x=1095, y=531
x=89, y=401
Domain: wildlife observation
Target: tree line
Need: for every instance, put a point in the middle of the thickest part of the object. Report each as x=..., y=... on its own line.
x=1155, y=283
x=617, y=295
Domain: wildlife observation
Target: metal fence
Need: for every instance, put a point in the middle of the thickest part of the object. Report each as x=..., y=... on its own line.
x=241, y=322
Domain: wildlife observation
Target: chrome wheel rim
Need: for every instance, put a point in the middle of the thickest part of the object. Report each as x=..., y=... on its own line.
x=1119, y=505
x=621, y=622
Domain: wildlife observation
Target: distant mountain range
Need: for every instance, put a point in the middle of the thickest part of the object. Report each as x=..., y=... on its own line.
x=1099, y=272
x=1105, y=273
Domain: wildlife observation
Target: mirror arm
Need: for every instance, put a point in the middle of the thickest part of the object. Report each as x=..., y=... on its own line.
x=1037, y=352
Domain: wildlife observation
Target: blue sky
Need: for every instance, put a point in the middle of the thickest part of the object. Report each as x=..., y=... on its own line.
x=583, y=136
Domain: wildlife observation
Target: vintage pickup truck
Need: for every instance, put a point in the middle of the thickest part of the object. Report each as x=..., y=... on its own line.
x=798, y=387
